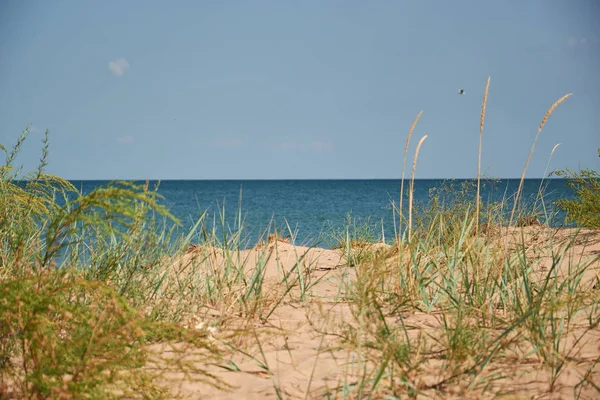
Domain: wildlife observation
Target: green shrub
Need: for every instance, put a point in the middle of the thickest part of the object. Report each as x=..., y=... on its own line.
x=77, y=273
x=65, y=337
x=584, y=208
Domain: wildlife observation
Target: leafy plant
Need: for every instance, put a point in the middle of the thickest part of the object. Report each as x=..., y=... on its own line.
x=72, y=269
x=65, y=337
x=584, y=208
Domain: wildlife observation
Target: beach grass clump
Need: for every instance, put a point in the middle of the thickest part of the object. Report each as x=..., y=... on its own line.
x=472, y=300
x=63, y=336
x=584, y=208
x=83, y=300
x=472, y=315
x=449, y=205
x=358, y=241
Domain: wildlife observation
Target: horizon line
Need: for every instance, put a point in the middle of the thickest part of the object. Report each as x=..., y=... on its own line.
x=299, y=179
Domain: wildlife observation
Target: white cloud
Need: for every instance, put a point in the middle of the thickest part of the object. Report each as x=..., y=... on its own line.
x=582, y=41
x=118, y=66
x=286, y=145
x=125, y=139
x=322, y=147
x=228, y=143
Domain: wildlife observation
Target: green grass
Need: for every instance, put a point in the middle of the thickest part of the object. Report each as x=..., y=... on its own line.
x=85, y=291
x=497, y=302
x=584, y=209
x=93, y=283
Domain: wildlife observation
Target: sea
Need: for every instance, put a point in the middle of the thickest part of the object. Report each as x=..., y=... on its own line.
x=316, y=212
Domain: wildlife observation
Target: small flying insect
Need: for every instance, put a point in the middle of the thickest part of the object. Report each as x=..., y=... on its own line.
x=461, y=91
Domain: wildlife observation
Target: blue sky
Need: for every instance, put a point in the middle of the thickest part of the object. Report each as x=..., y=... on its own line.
x=288, y=89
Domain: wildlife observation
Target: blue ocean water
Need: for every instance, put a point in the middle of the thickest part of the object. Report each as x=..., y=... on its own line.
x=314, y=208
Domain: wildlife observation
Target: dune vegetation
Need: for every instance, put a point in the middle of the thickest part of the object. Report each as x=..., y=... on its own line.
x=103, y=296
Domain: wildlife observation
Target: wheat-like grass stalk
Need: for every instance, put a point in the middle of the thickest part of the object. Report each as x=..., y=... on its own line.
x=549, y=159
x=410, y=202
x=412, y=186
x=540, y=194
x=481, y=120
x=403, y=170
x=544, y=120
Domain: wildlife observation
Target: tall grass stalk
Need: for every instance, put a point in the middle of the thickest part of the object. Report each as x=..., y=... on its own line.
x=541, y=187
x=481, y=121
x=544, y=120
x=400, y=212
x=410, y=207
x=412, y=187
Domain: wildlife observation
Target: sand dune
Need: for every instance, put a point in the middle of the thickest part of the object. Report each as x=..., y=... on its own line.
x=303, y=352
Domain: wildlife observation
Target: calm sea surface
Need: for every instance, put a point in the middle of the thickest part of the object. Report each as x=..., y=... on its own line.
x=315, y=208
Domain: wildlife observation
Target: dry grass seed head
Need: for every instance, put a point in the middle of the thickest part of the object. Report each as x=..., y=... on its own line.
x=551, y=110
x=484, y=104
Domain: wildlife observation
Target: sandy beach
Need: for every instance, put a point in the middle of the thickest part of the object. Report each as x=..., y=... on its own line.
x=309, y=346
